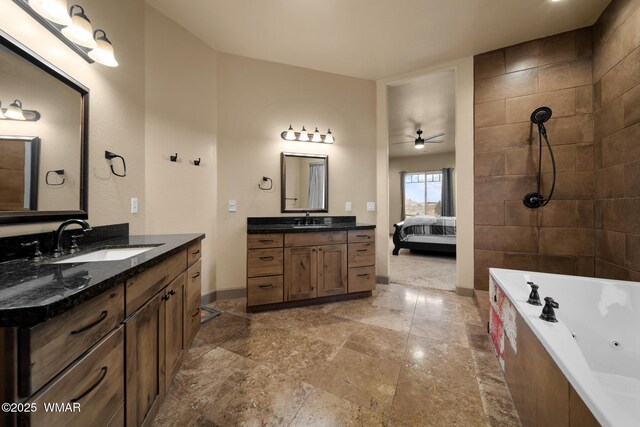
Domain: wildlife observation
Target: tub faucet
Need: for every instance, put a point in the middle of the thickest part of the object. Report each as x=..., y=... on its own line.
x=548, y=312
x=57, y=240
x=534, y=298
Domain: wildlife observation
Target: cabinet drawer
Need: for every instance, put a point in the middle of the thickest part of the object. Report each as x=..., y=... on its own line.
x=362, y=236
x=265, y=290
x=362, y=254
x=362, y=279
x=49, y=347
x=145, y=285
x=263, y=241
x=315, y=239
x=96, y=382
x=194, y=252
x=264, y=262
x=192, y=312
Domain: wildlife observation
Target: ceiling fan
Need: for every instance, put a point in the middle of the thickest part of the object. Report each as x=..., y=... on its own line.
x=420, y=141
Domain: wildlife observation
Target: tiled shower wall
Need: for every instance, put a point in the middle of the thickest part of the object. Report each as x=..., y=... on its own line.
x=509, y=84
x=616, y=72
x=590, y=78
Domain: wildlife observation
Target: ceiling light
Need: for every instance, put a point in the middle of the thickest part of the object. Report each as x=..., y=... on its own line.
x=80, y=31
x=290, y=135
x=329, y=138
x=304, y=136
x=419, y=144
x=103, y=53
x=14, y=111
x=316, y=136
x=52, y=10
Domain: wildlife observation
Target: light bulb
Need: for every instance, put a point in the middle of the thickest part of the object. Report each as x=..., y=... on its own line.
x=103, y=53
x=290, y=135
x=304, y=136
x=316, y=136
x=419, y=145
x=14, y=111
x=329, y=137
x=80, y=31
x=52, y=10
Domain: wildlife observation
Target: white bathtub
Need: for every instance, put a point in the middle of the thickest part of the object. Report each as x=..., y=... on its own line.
x=594, y=315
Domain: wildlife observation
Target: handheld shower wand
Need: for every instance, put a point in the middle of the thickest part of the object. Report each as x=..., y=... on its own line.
x=535, y=199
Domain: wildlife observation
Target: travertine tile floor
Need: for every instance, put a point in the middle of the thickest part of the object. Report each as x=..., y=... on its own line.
x=425, y=270
x=407, y=356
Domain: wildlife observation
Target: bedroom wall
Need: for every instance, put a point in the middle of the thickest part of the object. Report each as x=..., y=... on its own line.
x=422, y=163
x=509, y=84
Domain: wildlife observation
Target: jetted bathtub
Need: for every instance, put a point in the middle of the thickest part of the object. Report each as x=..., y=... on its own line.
x=596, y=342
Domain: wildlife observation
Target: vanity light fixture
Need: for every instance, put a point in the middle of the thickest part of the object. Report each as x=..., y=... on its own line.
x=53, y=10
x=1, y=112
x=303, y=136
x=14, y=112
x=103, y=53
x=80, y=31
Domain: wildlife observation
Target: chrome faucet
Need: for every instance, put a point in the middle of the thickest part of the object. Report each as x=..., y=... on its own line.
x=57, y=244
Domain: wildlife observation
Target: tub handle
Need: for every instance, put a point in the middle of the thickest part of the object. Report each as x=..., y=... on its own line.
x=548, y=312
x=534, y=297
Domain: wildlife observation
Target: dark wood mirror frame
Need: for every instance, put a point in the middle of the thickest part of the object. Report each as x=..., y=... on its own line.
x=19, y=217
x=283, y=185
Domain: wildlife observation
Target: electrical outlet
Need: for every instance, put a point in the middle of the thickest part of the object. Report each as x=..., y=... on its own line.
x=134, y=205
x=371, y=206
x=232, y=207
x=347, y=207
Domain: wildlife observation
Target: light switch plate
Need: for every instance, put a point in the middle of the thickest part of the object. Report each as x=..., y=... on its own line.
x=134, y=205
x=371, y=206
x=232, y=207
x=347, y=207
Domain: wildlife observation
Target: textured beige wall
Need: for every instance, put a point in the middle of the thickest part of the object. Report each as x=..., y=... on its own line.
x=116, y=104
x=423, y=163
x=180, y=116
x=257, y=101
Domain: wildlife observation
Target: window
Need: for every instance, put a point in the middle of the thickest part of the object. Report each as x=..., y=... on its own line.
x=422, y=193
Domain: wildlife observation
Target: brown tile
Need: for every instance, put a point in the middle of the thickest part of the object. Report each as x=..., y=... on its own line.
x=440, y=358
x=566, y=241
x=613, y=17
x=631, y=141
x=562, y=102
x=565, y=75
x=585, y=266
x=514, y=239
x=495, y=138
x=498, y=405
x=499, y=188
x=544, y=263
x=440, y=330
x=632, y=179
x=568, y=130
x=622, y=77
x=609, y=119
x=226, y=326
x=609, y=182
x=325, y=409
x=607, y=270
x=558, y=48
x=584, y=42
x=521, y=261
x=175, y=413
x=584, y=157
x=489, y=163
x=523, y=56
x=510, y=85
x=558, y=213
x=489, y=212
x=630, y=32
x=516, y=213
x=613, y=152
x=632, y=251
x=377, y=342
x=631, y=101
x=489, y=64
x=607, y=52
x=597, y=154
x=570, y=185
x=490, y=114
x=525, y=161
x=584, y=99
x=584, y=214
x=610, y=246
x=483, y=260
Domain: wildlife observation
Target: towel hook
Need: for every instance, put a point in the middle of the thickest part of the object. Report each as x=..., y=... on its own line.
x=110, y=156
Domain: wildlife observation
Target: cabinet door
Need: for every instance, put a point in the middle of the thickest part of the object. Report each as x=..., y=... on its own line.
x=144, y=365
x=332, y=270
x=192, y=311
x=174, y=301
x=300, y=275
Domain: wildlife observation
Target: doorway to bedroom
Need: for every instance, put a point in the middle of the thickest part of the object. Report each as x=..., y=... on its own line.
x=422, y=187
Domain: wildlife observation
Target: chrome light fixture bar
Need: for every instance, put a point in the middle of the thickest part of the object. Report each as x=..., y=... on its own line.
x=305, y=136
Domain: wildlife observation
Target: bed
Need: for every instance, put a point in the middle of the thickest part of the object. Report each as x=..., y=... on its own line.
x=425, y=234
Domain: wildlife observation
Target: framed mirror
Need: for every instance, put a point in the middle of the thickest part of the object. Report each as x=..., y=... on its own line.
x=43, y=139
x=305, y=182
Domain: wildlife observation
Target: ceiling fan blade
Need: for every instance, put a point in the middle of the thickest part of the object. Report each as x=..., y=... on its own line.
x=434, y=136
x=399, y=143
x=433, y=142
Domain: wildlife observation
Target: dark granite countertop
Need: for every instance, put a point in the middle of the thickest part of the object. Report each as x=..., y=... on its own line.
x=287, y=224
x=34, y=291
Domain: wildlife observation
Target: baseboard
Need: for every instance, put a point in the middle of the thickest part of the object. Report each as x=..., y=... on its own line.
x=465, y=292
x=383, y=280
x=223, y=294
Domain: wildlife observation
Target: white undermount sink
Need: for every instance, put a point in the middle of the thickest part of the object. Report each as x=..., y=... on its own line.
x=112, y=254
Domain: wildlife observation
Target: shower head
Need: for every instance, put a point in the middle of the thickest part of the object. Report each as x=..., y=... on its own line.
x=540, y=115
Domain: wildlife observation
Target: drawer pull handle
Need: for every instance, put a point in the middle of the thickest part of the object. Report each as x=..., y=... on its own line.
x=363, y=275
x=103, y=316
x=266, y=258
x=362, y=250
x=268, y=285
x=195, y=276
x=196, y=252
x=166, y=297
x=103, y=374
x=362, y=235
x=172, y=292
x=196, y=312
x=266, y=241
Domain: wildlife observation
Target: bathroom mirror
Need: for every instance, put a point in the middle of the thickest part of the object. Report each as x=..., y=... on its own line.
x=43, y=139
x=305, y=182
